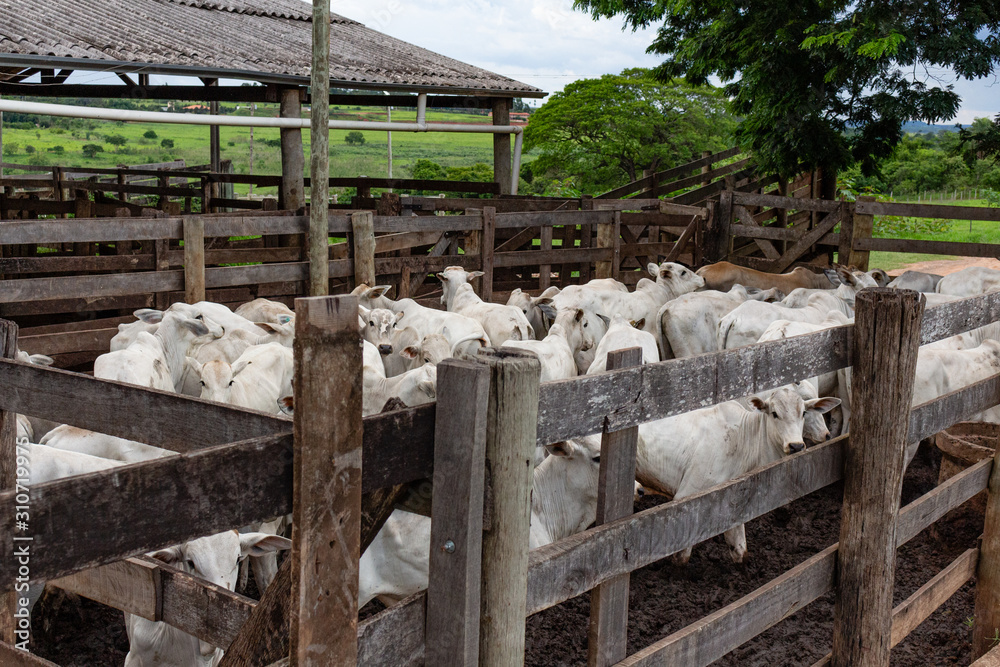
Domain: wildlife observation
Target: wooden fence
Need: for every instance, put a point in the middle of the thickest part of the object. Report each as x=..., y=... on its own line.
x=69, y=283
x=237, y=467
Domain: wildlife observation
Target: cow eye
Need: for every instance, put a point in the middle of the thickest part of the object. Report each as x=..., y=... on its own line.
x=201, y=382
x=200, y=317
x=584, y=325
x=231, y=382
x=427, y=360
x=189, y=563
x=370, y=323
x=596, y=459
x=774, y=414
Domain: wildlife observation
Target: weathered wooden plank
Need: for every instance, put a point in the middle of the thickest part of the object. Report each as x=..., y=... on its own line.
x=549, y=218
x=168, y=420
x=702, y=178
x=326, y=532
x=138, y=508
x=579, y=563
x=988, y=575
x=810, y=237
x=194, y=259
x=862, y=225
x=608, y=632
x=931, y=417
x=13, y=616
x=15, y=657
x=682, y=241
x=770, y=252
x=705, y=641
x=929, y=247
x=487, y=251
x=394, y=636
x=363, y=236
x=17, y=265
x=70, y=287
x=674, y=172
x=789, y=203
x=449, y=223
x=773, y=233
x=928, y=211
x=70, y=341
x=958, y=316
x=991, y=659
x=886, y=341
x=212, y=613
x=453, y=600
x=132, y=585
x=536, y=257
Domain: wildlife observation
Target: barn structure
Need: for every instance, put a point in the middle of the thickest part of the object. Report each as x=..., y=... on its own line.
x=266, y=42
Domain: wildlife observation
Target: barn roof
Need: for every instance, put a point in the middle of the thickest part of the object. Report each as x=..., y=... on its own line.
x=260, y=40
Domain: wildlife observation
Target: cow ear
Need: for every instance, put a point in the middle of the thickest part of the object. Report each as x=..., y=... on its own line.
x=197, y=327
x=758, y=403
x=285, y=319
x=605, y=319
x=579, y=315
x=267, y=326
x=476, y=274
x=149, y=316
x=428, y=387
x=653, y=269
x=442, y=277
x=410, y=352
x=564, y=448
x=399, y=316
x=547, y=310
x=170, y=555
x=832, y=276
x=377, y=291
x=846, y=277
x=822, y=405
x=41, y=360
x=639, y=323
x=261, y=544
x=287, y=405
x=550, y=292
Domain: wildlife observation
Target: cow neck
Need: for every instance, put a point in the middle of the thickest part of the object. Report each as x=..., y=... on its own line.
x=553, y=503
x=757, y=450
x=173, y=354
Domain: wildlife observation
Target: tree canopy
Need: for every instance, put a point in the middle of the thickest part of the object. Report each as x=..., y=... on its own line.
x=604, y=132
x=801, y=73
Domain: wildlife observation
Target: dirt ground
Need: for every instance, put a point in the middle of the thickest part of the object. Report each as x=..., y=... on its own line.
x=943, y=267
x=665, y=598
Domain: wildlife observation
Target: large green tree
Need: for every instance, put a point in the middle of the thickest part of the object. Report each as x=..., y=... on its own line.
x=604, y=132
x=801, y=73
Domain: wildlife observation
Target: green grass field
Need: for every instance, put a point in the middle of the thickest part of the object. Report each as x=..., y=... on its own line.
x=964, y=231
x=191, y=144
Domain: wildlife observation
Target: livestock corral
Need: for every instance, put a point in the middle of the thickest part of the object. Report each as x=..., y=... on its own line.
x=470, y=417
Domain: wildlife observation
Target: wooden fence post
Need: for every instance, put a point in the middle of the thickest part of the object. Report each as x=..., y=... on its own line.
x=8, y=477
x=609, y=236
x=706, y=180
x=545, y=270
x=511, y=427
x=717, y=238
x=986, y=622
x=487, y=244
x=615, y=492
x=457, y=510
x=886, y=340
x=194, y=259
x=586, y=237
x=326, y=532
x=363, y=226
x=862, y=226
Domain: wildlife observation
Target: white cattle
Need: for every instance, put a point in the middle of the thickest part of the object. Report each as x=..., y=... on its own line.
x=568, y=335
x=842, y=298
x=622, y=335
x=563, y=502
x=683, y=455
x=538, y=310
x=265, y=310
x=916, y=281
x=826, y=384
x=256, y=380
x=501, y=322
x=148, y=322
x=972, y=281
x=217, y=312
x=214, y=558
x=158, y=360
x=466, y=335
x=412, y=387
x=35, y=426
x=226, y=349
x=432, y=349
x=72, y=439
x=968, y=339
x=689, y=325
x=48, y=463
x=379, y=327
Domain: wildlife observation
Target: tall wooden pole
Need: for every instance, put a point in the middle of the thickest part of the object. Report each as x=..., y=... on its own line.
x=319, y=159
x=501, y=145
x=292, y=158
x=886, y=340
x=986, y=623
x=9, y=623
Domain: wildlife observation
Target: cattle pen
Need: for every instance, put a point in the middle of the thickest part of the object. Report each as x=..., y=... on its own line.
x=70, y=282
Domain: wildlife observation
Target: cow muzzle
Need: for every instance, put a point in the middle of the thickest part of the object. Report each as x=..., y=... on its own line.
x=384, y=349
x=796, y=447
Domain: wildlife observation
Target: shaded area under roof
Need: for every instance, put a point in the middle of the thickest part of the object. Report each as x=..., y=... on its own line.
x=259, y=40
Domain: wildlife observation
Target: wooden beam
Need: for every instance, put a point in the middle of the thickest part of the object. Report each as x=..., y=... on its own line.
x=886, y=341
x=326, y=532
x=194, y=259
x=987, y=616
x=15, y=624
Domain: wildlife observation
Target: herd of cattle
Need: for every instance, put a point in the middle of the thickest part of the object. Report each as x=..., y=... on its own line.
x=244, y=358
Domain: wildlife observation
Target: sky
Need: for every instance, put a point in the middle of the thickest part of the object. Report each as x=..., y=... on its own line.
x=548, y=44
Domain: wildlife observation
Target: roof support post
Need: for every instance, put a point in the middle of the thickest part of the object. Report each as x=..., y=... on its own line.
x=215, y=150
x=501, y=145
x=319, y=158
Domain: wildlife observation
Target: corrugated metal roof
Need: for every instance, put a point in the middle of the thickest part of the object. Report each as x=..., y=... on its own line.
x=266, y=39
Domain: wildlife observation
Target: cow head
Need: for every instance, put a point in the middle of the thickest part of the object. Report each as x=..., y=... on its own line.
x=451, y=279
x=539, y=311
x=372, y=297
x=676, y=278
x=379, y=327
x=783, y=412
x=432, y=349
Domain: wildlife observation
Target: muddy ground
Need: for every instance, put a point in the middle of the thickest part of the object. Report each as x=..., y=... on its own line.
x=665, y=598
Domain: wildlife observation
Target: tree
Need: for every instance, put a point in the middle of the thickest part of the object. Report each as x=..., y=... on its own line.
x=11, y=147
x=167, y=143
x=604, y=132
x=149, y=134
x=355, y=138
x=29, y=149
x=800, y=73
x=116, y=140
x=981, y=140
x=91, y=150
